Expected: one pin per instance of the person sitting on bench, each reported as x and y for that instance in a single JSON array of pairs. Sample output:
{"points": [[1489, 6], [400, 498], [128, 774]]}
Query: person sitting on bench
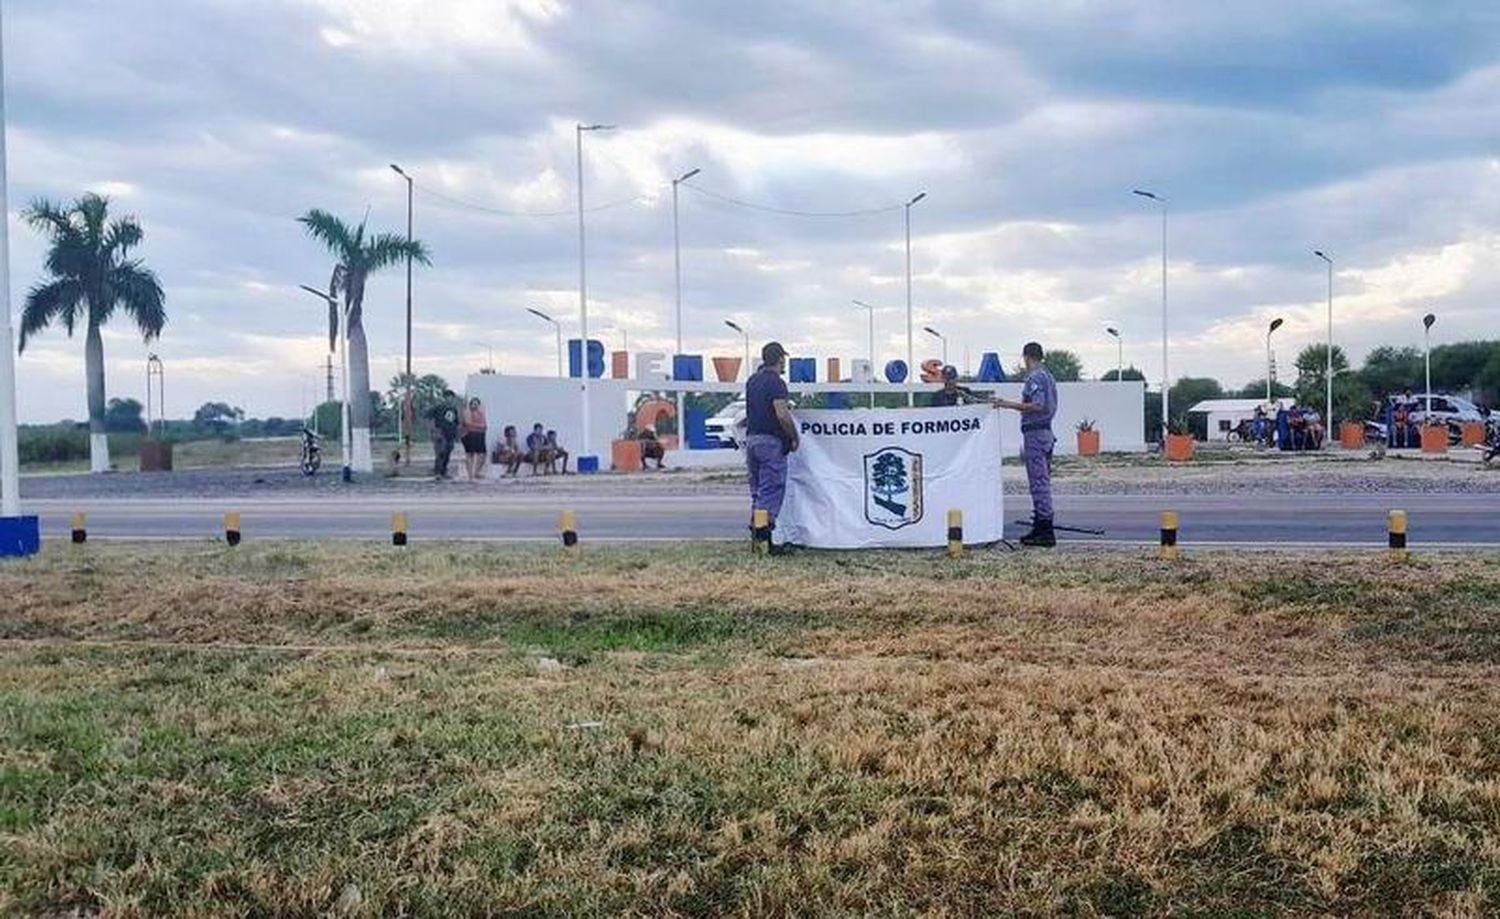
{"points": [[555, 453], [508, 452], [538, 454]]}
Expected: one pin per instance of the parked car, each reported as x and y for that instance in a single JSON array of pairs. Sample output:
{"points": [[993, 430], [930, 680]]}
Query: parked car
{"points": [[1453, 411], [728, 426]]}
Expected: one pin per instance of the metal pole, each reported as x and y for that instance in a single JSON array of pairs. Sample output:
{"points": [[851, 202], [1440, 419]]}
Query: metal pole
{"points": [[401, 423], [346, 438], [910, 396], [1268, 367], [1328, 425], [677, 292], [583, 305], [1427, 359], [557, 329], [1165, 375], [1119, 359], [10, 470]]}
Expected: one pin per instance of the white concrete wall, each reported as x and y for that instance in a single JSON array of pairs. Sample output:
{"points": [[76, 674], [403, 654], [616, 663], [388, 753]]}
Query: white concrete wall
{"points": [[1117, 409], [558, 405]]}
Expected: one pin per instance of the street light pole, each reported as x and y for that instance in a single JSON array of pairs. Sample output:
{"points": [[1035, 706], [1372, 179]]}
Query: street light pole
{"points": [[583, 297], [1165, 374], [871, 311], [1427, 322], [401, 418], [557, 327], [1329, 374], [677, 285], [911, 398], [739, 329], [939, 336], [1119, 353], [10, 459], [1275, 324]]}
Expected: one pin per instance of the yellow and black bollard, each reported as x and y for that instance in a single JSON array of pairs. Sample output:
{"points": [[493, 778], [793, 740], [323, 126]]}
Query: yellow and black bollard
{"points": [[80, 528], [232, 528], [398, 528], [1169, 536], [568, 528], [760, 531], [955, 533], [1396, 536]]}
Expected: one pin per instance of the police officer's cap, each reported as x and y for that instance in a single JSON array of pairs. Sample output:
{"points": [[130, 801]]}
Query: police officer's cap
{"points": [[772, 352], [1032, 350], [950, 372]]}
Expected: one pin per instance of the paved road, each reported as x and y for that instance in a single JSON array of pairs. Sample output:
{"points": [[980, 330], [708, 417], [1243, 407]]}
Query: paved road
{"points": [[1270, 520]]}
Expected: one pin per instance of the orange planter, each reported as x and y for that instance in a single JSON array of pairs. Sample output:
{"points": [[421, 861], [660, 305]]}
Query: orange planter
{"points": [[1435, 438], [1180, 447], [1473, 433], [1351, 435], [625, 455], [727, 369], [1088, 443]]}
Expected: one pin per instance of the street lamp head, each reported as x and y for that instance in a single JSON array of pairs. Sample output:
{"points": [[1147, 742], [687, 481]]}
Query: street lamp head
{"points": [[1322, 255], [1275, 324], [596, 127], [931, 331], [686, 175], [321, 295], [862, 304], [1144, 194], [919, 197], [399, 172], [733, 325], [1112, 330], [1428, 320], [536, 312]]}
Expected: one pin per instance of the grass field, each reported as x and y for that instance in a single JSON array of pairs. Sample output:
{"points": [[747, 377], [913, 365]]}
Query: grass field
{"points": [[290, 729]]}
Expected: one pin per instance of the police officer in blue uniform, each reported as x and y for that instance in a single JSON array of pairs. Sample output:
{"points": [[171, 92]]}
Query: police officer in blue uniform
{"points": [[1038, 405]]}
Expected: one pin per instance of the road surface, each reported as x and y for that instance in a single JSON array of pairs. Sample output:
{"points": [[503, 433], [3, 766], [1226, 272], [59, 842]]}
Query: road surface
{"points": [[1270, 520]]}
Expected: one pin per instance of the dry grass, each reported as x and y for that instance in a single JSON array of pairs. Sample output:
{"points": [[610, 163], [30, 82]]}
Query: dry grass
{"points": [[828, 733]]}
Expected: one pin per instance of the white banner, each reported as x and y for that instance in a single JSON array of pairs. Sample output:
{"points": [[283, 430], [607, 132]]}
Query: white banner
{"points": [[888, 477]]}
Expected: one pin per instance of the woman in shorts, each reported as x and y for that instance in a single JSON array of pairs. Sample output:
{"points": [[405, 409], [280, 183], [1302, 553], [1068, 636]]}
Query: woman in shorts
{"points": [[471, 434]]}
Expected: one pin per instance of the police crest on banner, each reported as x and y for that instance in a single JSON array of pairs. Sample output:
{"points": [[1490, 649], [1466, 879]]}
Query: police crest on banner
{"points": [[887, 477], [893, 487]]}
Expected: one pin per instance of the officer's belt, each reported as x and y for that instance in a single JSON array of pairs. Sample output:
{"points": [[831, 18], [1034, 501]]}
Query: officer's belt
{"points": [[1036, 426]]}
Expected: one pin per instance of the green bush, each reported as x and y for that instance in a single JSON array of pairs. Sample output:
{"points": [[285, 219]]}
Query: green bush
{"points": [[53, 444]]}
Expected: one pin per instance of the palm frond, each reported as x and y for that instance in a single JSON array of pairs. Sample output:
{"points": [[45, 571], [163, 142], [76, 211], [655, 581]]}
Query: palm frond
{"points": [[47, 303], [123, 235], [136, 288], [48, 216], [332, 232], [388, 249]]}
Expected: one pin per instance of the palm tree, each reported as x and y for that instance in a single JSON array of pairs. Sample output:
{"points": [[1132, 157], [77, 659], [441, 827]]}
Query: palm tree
{"points": [[91, 274], [357, 257]]}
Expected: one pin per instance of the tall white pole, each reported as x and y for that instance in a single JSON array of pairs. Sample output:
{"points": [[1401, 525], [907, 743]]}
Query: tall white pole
{"points": [[1328, 422], [1268, 368], [346, 434], [557, 330], [677, 289], [10, 471], [583, 306], [911, 370], [1427, 359], [1165, 375]]}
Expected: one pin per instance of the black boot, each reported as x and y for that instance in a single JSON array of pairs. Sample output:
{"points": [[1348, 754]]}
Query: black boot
{"points": [[1041, 533]]}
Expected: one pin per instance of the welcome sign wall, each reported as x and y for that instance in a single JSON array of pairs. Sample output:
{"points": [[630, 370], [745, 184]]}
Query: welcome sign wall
{"points": [[888, 477]]}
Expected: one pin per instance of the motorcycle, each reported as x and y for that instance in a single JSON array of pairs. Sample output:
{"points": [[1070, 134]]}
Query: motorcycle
{"points": [[312, 452]]}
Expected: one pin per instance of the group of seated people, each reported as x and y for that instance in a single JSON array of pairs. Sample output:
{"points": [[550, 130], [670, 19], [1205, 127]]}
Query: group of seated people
{"points": [[541, 450], [1305, 428]]}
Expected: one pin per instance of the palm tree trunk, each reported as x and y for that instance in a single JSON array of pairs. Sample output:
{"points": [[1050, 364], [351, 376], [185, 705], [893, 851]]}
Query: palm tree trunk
{"points": [[361, 459], [93, 367]]}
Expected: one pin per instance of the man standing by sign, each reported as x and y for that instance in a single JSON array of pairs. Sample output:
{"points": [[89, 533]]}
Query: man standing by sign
{"points": [[770, 432], [1037, 406], [952, 393]]}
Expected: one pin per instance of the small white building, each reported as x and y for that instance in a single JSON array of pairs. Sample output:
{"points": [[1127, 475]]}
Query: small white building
{"points": [[1224, 415]]}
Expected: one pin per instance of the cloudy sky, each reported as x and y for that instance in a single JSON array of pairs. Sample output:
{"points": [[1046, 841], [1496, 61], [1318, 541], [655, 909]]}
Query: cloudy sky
{"points": [[1369, 128]]}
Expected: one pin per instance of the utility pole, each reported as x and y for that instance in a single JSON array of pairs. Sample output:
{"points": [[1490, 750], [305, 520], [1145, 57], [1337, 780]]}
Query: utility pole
{"points": [[10, 471], [410, 380]]}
